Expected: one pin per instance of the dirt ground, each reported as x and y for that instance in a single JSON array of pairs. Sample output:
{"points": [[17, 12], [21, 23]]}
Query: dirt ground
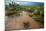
{"points": [[18, 23]]}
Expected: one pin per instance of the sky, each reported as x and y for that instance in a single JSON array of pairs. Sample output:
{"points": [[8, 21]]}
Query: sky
{"points": [[22, 2], [29, 3]]}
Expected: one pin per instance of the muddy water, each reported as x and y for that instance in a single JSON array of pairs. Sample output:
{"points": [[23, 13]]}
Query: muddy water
{"points": [[18, 22]]}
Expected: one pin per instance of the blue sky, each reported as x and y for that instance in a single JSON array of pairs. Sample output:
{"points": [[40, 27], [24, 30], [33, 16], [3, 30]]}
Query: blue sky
{"points": [[29, 3], [23, 2]]}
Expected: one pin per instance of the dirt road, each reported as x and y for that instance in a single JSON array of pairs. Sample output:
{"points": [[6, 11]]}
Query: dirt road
{"points": [[17, 23]]}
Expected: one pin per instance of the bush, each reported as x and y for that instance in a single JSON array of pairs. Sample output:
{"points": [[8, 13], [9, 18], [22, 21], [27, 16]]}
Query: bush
{"points": [[39, 19], [30, 15]]}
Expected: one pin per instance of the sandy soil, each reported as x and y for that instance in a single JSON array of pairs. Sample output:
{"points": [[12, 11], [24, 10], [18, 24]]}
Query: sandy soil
{"points": [[17, 23]]}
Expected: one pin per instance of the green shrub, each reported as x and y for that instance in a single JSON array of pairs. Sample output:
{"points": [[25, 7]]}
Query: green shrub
{"points": [[30, 15], [39, 19]]}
